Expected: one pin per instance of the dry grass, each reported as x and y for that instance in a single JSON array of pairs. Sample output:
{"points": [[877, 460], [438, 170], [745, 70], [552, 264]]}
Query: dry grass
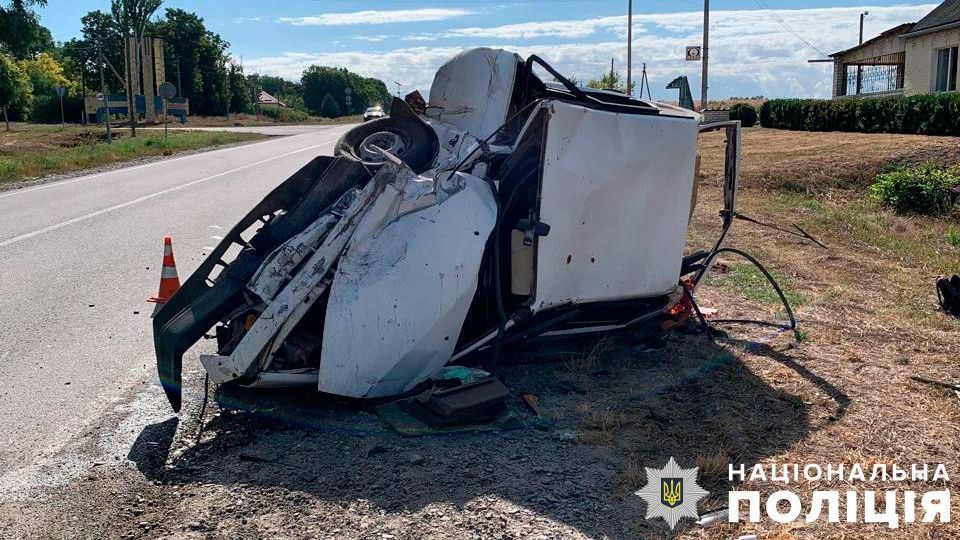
{"points": [[730, 102], [32, 150], [868, 311], [585, 361], [807, 162]]}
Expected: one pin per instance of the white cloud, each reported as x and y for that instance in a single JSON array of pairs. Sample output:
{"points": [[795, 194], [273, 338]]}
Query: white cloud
{"points": [[241, 20], [530, 30], [750, 54], [377, 17], [420, 37], [372, 39]]}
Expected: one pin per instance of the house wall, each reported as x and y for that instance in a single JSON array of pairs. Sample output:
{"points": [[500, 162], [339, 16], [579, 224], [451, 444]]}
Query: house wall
{"points": [[920, 59], [880, 47]]}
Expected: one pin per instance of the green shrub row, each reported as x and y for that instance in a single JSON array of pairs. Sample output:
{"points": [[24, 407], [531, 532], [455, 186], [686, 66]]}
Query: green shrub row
{"points": [[933, 114]]}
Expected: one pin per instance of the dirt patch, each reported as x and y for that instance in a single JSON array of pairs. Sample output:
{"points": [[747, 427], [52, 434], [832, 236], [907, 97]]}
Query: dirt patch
{"points": [[85, 138]]}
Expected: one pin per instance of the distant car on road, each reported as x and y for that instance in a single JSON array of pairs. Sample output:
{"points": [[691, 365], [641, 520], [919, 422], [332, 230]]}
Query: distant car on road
{"points": [[373, 112]]}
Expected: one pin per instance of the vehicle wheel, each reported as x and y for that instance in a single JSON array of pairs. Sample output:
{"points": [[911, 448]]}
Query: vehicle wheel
{"points": [[402, 134]]}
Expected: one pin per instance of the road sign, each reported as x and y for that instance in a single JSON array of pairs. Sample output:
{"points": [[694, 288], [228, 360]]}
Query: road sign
{"points": [[99, 96], [167, 90], [694, 53], [60, 91], [347, 90]]}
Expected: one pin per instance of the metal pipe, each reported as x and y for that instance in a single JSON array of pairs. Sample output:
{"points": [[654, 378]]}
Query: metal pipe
{"points": [[705, 54]]}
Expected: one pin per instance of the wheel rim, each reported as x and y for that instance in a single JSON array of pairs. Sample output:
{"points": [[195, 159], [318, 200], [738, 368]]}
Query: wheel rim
{"points": [[385, 140]]}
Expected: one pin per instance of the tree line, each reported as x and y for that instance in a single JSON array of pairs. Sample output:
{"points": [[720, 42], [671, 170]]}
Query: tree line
{"points": [[196, 60]]}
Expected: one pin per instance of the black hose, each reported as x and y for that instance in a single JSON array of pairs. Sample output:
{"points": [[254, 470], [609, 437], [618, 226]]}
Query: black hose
{"points": [[703, 321], [773, 283], [203, 406]]}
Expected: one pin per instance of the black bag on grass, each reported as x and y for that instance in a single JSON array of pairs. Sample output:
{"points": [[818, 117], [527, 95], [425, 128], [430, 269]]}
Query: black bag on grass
{"points": [[948, 292]]}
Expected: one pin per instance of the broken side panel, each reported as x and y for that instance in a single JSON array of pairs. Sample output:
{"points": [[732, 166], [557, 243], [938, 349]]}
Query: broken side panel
{"points": [[615, 192], [472, 91], [400, 295]]}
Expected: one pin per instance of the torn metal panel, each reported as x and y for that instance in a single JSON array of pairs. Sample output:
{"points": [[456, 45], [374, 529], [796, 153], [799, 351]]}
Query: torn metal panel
{"points": [[472, 91], [378, 197], [400, 294], [279, 266], [615, 190]]}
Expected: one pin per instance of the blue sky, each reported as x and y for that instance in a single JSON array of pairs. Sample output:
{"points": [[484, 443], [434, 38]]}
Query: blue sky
{"points": [[754, 50]]}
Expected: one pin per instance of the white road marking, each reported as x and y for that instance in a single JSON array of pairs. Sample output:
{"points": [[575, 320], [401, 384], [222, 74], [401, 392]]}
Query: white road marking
{"points": [[13, 192], [85, 217]]}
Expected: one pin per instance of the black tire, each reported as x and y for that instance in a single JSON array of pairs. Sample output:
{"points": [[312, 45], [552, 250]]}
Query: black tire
{"points": [[402, 133]]}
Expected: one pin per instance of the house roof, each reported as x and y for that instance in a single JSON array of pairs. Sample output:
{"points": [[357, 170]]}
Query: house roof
{"points": [[944, 16], [268, 99], [898, 30]]}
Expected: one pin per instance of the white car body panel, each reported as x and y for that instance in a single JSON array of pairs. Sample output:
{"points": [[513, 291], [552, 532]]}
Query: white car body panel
{"points": [[615, 191], [400, 295], [476, 76]]}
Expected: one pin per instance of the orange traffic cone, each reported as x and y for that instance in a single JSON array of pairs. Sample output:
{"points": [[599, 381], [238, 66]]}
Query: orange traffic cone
{"points": [[169, 282]]}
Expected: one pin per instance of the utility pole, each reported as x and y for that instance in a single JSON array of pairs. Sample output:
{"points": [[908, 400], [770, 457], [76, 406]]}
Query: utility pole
{"points": [[130, 43], [176, 59], [106, 99], [398, 87], [705, 54], [83, 91], [630, 47], [860, 68], [645, 83], [611, 71]]}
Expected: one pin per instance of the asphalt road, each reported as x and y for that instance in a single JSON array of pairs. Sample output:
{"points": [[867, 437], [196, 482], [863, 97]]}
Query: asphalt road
{"points": [[268, 129], [79, 257]]}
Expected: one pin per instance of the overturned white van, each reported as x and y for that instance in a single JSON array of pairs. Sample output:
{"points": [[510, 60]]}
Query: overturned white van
{"points": [[506, 209]]}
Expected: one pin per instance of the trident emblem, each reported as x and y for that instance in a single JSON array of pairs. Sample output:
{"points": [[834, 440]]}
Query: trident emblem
{"points": [[671, 491]]}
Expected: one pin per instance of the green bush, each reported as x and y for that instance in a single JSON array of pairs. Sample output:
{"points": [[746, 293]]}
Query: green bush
{"points": [[284, 114], [933, 114], [920, 190], [745, 113]]}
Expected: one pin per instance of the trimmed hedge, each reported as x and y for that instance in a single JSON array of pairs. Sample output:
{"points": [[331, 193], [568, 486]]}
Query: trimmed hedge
{"points": [[933, 114], [745, 113]]}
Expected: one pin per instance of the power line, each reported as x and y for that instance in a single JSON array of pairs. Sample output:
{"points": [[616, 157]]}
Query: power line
{"points": [[779, 20]]}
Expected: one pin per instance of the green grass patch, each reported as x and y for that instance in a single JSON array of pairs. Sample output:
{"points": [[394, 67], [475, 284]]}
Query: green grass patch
{"points": [[789, 200], [753, 285], [952, 236], [41, 153], [868, 225]]}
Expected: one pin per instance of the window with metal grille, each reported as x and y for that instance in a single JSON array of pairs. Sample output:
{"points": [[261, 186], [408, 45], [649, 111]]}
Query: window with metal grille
{"points": [[946, 70]]}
